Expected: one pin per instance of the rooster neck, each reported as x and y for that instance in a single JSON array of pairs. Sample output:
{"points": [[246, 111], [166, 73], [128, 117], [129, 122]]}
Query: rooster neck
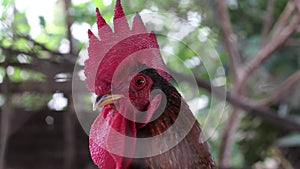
{"points": [[167, 117], [163, 122], [189, 152]]}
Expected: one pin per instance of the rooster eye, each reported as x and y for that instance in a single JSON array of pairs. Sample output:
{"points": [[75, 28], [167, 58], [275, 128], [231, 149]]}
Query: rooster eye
{"points": [[140, 82]]}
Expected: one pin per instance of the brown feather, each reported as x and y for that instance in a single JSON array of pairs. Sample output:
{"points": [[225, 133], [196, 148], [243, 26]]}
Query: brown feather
{"points": [[189, 153]]}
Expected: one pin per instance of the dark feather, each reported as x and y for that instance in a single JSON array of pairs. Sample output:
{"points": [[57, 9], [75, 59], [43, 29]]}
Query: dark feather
{"points": [[189, 153]]}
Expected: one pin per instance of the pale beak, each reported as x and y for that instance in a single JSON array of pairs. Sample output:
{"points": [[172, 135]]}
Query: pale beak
{"points": [[105, 100]]}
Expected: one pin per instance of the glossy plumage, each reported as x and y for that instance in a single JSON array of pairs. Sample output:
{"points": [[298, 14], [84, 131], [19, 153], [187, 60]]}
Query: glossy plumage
{"points": [[127, 63], [190, 152]]}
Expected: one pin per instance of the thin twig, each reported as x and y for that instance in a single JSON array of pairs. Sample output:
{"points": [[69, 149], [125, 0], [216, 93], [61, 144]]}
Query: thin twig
{"points": [[35, 55], [228, 38], [286, 86], [264, 113], [283, 161], [228, 137], [42, 46], [274, 44], [239, 87], [234, 60], [267, 21], [66, 56], [283, 18], [67, 4], [297, 2]]}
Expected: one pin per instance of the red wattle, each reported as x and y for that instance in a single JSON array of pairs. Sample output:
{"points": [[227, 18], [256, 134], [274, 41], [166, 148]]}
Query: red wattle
{"points": [[108, 135]]}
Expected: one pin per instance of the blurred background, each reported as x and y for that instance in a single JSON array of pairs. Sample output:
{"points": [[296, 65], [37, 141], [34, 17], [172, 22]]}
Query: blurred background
{"points": [[257, 42]]}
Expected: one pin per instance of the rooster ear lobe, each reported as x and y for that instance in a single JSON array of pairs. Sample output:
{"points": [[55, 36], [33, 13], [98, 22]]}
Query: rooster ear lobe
{"points": [[120, 21], [104, 30]]}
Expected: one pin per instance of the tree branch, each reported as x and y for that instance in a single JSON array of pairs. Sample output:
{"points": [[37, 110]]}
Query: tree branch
{"points": [[42, 46], [284, 89], [283, 18], [228, 137], [234, 63], [40, 87], [228, 38], [235, 168], [297, 3], [49, 70], [34, 55], [266, 52], [69, 135], [264, 113], [5, 121], [267, 21], [66, 56], [248, 69], [68, 22]]}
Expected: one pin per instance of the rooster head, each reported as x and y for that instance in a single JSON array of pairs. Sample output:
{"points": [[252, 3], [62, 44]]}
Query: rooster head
{"points": [[108, 52], [114, 72]]}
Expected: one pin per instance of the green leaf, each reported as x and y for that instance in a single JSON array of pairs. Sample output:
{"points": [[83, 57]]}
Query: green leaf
{"points": [[7, 2], [98, 3], [6, 42], [42, 21], [21, 44], [22, 25]]}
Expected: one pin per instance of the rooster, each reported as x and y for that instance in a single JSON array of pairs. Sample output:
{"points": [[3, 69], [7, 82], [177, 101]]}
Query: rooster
{"points": [[144, 122]]}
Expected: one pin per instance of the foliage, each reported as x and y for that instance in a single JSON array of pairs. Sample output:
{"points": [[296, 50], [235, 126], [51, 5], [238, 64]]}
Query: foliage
{"points": [[31, 57]]}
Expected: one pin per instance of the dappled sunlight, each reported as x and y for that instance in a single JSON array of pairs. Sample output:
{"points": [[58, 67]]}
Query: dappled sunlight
{"points": [[58, 102], [236, 63]]}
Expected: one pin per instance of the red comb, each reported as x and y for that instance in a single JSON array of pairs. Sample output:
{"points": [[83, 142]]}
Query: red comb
{"points": [[106, 54]]}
